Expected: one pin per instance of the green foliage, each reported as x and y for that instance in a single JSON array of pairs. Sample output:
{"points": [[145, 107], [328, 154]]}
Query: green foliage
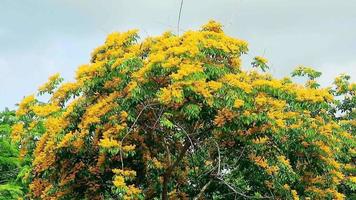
{"points": [[260, 62], [9, 161], [306, 71]]}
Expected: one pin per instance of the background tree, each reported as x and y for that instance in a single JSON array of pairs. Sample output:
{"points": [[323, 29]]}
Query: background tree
{"points": [[177, 117], [9, 162]]}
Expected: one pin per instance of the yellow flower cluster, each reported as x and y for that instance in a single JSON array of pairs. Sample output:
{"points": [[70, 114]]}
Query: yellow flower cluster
{"points": [[157, 163], [50, 84], [126, 173], [128, 148], [260, 140], [233, 80], [17, 131], [282, 159], [115, 46], [259, 160], [132, 192], [238, 103], [261, 59], [119, 181], [112, 83], [45, 110], [109, 143], [131, 86], [313, 95], [269, 83], [24, 106], [65, 140], [95, 111], [223, 116], [63, 91], [185, 70], [213, 26], [173, 93], [113, 130]]}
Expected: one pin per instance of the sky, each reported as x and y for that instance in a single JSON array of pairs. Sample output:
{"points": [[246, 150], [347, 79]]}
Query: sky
{"points": [[41, 37]]}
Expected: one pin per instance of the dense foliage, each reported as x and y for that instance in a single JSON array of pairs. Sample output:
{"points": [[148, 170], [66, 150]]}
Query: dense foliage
{"points": [[9, 161], [176, 117]]}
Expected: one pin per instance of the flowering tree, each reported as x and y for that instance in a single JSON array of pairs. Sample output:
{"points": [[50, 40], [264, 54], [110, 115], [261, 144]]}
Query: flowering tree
{"points": [[177, 117]]}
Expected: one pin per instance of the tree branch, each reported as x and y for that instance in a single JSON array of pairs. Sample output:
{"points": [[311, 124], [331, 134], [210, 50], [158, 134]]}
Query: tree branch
{"points": [[202, 190], [168, 173]]}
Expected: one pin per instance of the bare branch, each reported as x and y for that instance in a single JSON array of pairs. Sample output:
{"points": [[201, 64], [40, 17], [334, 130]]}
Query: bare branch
{"points": [[179, 15], [219, 158], [202, 190]]}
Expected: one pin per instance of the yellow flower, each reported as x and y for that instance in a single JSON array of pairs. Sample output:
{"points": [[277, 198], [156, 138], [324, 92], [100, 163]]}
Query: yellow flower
{"points": [[125, 173], [200, 87], [45, 110], [214, 85], [157, 163], [63, 91], [17, 131], [128, 148], [119, 182], [172, 93], [261, 140], [132, 190], [236, 63], [260, 161], [185, 70], [233, 80], [65, 140], [213, 26], [272, 170], [282, 159], [269, 83], [95, 111], [50, 84], [295, 195], [158, 57], [261, 59], [238, 103], [286, 186], [112, 83], [123, 115], [131, 86], [24, 105], [109, 143]]}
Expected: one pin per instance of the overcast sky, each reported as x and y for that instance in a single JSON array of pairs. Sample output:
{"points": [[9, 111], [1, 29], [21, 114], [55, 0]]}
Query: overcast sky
{"points": [[42, 37]]}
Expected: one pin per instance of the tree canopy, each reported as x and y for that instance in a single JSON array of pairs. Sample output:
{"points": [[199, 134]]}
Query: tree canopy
{"points": [[177, 117]]}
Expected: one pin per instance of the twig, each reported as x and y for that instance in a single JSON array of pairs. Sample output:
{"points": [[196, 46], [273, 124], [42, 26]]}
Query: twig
{"points": [[180, 13], [243, 149], [219, 158], [202, 190], [190, 140]]}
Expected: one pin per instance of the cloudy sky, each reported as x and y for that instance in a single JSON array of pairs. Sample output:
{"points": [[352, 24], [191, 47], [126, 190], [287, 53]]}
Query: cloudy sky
{"points": [[42, 37]]}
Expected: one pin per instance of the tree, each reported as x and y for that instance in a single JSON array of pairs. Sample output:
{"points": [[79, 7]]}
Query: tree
{"points": [[177, 117], [9, 162]]}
